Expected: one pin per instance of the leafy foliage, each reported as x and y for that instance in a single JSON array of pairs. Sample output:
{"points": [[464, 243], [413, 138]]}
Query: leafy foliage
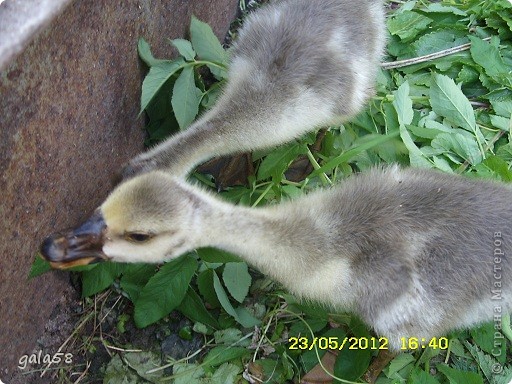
{"points": [[444, 101]]}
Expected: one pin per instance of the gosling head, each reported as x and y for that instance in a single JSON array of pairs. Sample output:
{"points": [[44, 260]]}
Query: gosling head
{"points": [[150, 218]]}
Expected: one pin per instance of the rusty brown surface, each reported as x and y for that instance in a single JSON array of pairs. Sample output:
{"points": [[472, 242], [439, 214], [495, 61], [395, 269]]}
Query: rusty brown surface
{"points": [[68, 120]]}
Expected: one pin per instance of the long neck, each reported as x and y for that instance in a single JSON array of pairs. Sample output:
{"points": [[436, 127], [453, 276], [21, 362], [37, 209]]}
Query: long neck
{"points": [[182, 152], [284, 243]]}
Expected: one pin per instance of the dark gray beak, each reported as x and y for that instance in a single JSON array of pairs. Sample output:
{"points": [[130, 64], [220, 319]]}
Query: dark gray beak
{"points": [[79, 246]]}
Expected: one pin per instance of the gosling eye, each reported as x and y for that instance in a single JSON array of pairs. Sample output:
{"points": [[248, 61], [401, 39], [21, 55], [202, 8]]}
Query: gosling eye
{"points": [[138, 237]]}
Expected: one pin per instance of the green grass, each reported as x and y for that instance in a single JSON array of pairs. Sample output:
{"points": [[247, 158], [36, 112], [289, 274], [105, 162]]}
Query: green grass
{"points": [[444, 101]]}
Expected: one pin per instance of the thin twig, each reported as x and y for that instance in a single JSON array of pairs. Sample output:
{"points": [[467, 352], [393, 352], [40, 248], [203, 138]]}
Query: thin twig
{"points": [[425, 58], [121, 349], [83, 373]]}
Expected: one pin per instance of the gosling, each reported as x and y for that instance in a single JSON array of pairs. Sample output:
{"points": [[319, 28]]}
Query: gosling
{"points": [[412, 252], [297, 65]]}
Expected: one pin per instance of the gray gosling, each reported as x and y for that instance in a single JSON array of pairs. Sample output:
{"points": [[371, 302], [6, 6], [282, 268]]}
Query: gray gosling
{"points": [[297, 65], [415, 253]]}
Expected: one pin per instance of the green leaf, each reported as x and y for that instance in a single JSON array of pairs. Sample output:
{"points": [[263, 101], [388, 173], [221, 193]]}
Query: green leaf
{"points": [[187, 373], [237, 280], [275, 163], [117, 372], [245, 318], [239, 315], [164, 291], [408, 24], [447, 100], [398, 363], [185, 49], [367, 142], [208, 47], [463, 145], [192, 307], [100, 278], [351, 364], [213, 255], [146, 55], [225, 374], [135, 277], [488, 56], [486, 362], [157, 76], [39, 266], [456, 376], [419, 376], [403, 104], [503, 123], [206, 289], [142, 362], [438, 41], [222, 354], [500, 168], [416, 157], [227, 336], [186, 98]]}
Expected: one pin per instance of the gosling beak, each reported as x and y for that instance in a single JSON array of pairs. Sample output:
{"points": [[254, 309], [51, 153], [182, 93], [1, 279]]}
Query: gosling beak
{"points": [[79, 246]]}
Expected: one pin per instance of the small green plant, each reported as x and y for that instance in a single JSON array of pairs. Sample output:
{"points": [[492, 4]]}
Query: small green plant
{"points": [[444, 100]]}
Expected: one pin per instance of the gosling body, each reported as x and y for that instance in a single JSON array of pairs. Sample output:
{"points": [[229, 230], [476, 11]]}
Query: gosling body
{"points": [[296, 65], [413, 252]]}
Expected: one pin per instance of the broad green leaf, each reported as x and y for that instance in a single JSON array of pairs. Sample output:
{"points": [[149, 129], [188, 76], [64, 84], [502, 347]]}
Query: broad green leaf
{"points": [[146, 55], [500, 168], [416, 157], [437, 7], [185, 49], [278, 160], [164, 291], [244, 320], [156, 78], [206, 43], [367, 142], [456, 376], [214, 255], [39, 266], [408, 24], [206, 289], [398, 363], [419, 376], [403, 104], [503, 123], [227, 336], [142, 362], [186, 98], [187, 373], [99, 278], [438, 41], [222, 296], [447, 100], [488, 56], [309, 358], [351, 364], [237, 280], [486, 362], [192, 307], [117, 372], [463, 145], [502, 107], [135, 277], [222, 354], [225, 374], [208, 47]]}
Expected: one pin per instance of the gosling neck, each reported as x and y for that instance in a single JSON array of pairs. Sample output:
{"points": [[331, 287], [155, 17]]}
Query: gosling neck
{"points": [[281, 243]]}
